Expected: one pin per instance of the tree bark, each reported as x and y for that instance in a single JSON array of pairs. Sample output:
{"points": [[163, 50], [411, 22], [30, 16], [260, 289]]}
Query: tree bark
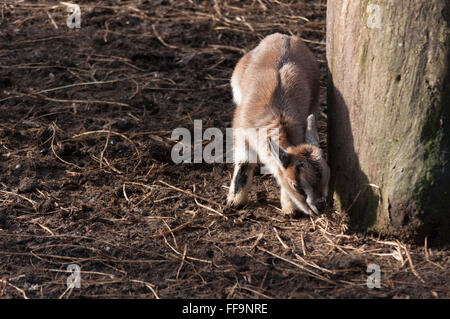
{"points": [[389, 115]]}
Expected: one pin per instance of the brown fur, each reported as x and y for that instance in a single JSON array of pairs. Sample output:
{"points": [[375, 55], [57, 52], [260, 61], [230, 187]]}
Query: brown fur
{"points": [[276, 85], [278, 95]]}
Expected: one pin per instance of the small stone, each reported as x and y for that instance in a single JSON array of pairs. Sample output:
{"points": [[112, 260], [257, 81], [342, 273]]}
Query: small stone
{"points": [[27, 185]]}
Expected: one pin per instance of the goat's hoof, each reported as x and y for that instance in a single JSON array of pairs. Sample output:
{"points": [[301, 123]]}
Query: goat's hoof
{"points": [[236, 200], [289, 212]]}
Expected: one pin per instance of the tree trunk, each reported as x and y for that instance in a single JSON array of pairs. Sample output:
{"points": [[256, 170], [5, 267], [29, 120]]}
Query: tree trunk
{"points": [[389, 115]]}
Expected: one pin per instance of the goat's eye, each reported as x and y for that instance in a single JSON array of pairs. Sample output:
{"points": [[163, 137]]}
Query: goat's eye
{"points": [[299, 163]]}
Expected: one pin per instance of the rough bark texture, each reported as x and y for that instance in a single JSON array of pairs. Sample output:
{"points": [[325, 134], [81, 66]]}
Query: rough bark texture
{"points": [[389, 115]]}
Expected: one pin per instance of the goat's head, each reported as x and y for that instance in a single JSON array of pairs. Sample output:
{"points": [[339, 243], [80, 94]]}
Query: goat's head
{"points": [[303, 171]]}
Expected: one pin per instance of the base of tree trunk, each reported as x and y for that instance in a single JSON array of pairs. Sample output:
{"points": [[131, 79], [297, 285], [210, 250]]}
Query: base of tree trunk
{"points": [[389, 116]]}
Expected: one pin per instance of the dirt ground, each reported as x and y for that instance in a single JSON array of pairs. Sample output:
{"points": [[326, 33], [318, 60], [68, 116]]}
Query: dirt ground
{"points": [[86, 175]]}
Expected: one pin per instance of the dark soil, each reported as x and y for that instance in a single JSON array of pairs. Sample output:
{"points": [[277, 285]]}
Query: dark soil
{"points": [[86, 175]]}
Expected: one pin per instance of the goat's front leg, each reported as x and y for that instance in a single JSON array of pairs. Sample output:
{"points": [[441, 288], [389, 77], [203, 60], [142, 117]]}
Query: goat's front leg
{"points": [[240, 184], [287, 206]]}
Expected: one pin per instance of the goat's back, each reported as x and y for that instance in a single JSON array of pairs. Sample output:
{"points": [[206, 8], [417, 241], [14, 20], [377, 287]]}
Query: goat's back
{"points": [[276, 81]]}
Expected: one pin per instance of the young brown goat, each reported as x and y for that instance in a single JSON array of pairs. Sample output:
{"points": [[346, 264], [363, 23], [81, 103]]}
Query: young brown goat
{"points": [[276, 90]]}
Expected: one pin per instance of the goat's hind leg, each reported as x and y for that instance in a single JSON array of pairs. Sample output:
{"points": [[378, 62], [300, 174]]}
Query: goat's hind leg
{"points": [[245, 159], [240, 184]]}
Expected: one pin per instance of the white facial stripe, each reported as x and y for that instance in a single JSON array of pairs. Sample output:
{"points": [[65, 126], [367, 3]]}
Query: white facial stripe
{"points": [[307, 188], [309, 195], [313, 207]]}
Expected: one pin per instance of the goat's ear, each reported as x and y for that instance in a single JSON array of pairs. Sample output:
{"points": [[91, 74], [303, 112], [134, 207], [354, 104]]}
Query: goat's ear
{"points": [[280, 155], [311, 134]]}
